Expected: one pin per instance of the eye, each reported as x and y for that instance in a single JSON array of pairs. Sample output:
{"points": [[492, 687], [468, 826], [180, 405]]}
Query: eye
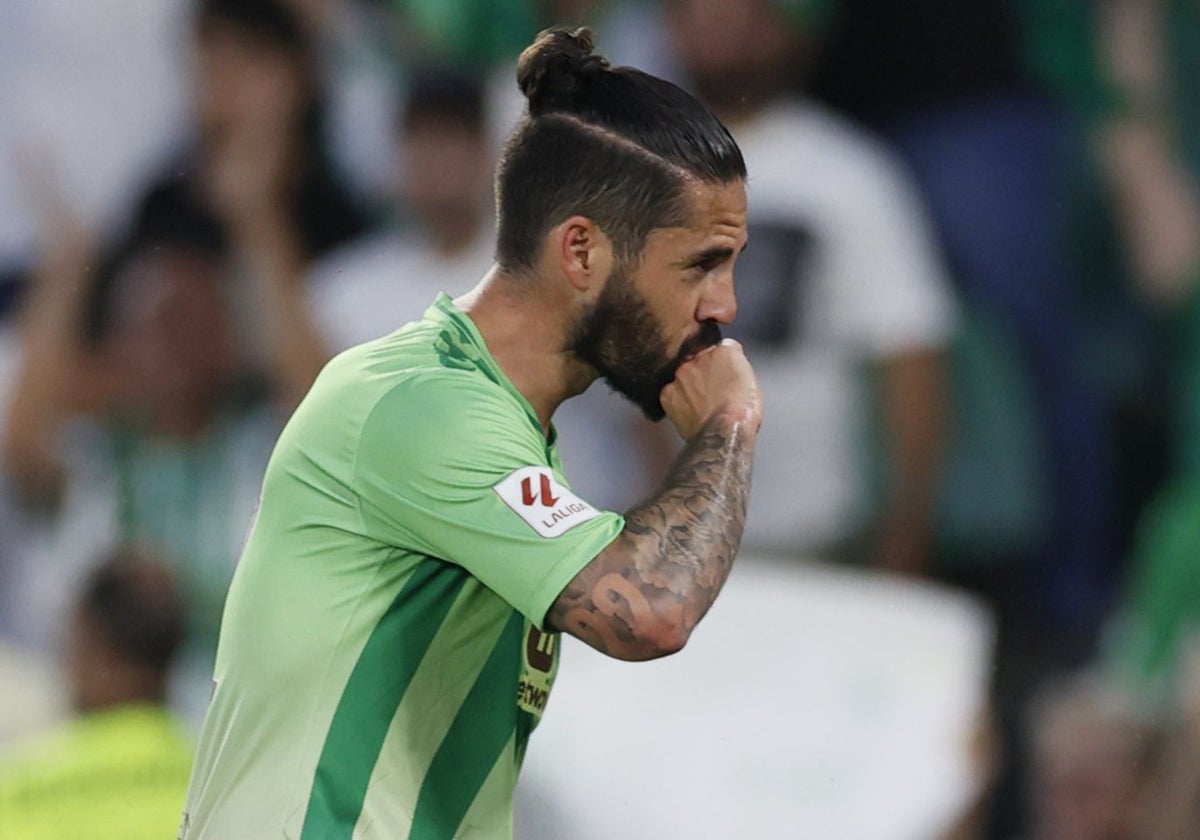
{"points": [[705, 265]]}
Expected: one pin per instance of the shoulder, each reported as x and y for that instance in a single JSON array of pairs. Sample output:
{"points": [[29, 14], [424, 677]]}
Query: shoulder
{"points": [[453, 394], [437, 413]]}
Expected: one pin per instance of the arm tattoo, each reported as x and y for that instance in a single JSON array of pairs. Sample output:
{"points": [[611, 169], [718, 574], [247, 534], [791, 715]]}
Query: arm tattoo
{"points": [[665, 570]]}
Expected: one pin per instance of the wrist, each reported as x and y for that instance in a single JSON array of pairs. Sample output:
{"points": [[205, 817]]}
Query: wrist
{"points": [[742, 420]]}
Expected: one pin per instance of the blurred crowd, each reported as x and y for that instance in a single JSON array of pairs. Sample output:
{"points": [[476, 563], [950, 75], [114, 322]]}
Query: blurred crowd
{"points": [[970, 295]]}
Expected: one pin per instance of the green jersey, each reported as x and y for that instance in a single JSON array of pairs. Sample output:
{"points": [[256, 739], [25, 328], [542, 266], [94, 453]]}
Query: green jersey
{"points": [[382, 657]]}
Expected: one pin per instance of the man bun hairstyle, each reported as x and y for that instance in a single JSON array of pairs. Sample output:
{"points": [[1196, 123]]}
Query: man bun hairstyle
{"points": [[549, 70], [614, 144]]}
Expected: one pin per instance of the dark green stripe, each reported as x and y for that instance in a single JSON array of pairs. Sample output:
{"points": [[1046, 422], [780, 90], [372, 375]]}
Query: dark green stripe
{"points": [[372, 695], [478, 735]]}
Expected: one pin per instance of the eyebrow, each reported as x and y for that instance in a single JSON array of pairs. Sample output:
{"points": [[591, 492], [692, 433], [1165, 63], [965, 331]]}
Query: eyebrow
{"points": [[716, 254]]}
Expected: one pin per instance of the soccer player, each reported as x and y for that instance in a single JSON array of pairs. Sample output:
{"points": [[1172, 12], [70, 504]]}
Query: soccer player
{"points": [[391, 633]]}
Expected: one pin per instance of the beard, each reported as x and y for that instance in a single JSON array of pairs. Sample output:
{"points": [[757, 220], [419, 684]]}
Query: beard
{"points": [[623, 340]]}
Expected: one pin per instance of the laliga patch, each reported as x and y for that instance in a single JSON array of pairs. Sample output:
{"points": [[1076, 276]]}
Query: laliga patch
{"points": [[545, 505]]}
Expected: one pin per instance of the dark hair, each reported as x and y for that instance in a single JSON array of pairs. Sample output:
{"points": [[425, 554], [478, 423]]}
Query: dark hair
{"points": [[614, 144], [169, 216], [445, 94], [269, 21], [132, 603]]}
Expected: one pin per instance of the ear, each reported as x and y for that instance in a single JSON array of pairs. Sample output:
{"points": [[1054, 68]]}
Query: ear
{"points": [[585, 254]]}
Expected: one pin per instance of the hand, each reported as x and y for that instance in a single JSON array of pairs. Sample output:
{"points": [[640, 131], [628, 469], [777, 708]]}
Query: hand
{"points": [[717, 380], [1158, 205]]}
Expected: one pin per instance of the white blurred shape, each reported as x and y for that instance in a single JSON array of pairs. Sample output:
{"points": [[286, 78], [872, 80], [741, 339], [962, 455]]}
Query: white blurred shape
{"points": [[811, 703]]}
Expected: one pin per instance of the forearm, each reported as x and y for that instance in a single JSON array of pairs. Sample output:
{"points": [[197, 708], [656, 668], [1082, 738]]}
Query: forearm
{"points": [[1155, 197], [51, 360], [914, 408], [642, 597]]}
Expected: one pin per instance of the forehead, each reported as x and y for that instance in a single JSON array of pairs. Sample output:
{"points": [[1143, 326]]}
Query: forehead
{"points": [[717, 218]]}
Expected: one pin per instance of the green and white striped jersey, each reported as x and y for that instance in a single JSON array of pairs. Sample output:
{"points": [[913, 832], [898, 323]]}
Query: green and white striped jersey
{"points": [[381, 661]]}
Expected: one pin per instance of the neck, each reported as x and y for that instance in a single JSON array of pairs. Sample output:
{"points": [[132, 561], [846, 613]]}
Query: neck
{"points": [[522, 324]]}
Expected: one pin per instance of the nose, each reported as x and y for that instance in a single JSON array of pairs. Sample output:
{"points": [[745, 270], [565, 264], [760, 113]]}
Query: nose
{"points": [[719, 302]]}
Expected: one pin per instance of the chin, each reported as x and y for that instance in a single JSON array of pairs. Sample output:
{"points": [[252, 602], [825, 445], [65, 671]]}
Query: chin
{"points": [[650, 406]]}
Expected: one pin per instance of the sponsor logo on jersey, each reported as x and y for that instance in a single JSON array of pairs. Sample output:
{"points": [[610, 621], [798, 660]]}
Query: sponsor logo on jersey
{"points": [[546, 506], [546, 496], [537, 670]]}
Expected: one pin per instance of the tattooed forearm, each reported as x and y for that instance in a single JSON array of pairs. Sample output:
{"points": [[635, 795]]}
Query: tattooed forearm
{"points": [[645, 593]]}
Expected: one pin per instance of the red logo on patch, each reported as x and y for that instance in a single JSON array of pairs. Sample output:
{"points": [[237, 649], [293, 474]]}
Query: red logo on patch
{"points": [[528, 497]]}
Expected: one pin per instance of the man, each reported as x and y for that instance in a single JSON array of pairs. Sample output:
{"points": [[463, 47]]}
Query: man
{"points": [[375, 284], [390, 637], [119, 771]]}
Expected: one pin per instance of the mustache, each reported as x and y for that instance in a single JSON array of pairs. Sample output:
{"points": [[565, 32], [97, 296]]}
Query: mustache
{"points": [[708, 335]]}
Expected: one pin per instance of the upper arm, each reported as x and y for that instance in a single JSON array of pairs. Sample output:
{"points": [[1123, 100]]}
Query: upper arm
{"points": [[455, 471], [642, 596]]}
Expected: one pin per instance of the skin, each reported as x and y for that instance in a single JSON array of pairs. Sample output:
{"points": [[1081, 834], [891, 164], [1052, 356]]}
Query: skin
{"points": [[251, 97], [448, 181], [738, 55], [643, 595], [741, 58]]}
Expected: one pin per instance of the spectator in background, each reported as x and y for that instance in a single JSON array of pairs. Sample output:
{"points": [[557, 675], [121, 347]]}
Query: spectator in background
{"points": [[841, 281], [1147, 139], [358, 45], [119, 771], [1151, 148], [208, 287], [1090, 763], [375, 285], [945, 82], [260, 111], [259, 166], [145, 432]]}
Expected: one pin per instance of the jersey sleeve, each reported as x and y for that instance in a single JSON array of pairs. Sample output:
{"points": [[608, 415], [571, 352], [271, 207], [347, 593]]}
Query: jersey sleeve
{"points": [[455, 469]]}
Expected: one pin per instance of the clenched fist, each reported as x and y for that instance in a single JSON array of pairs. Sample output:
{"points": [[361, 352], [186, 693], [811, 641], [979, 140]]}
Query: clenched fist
{"points": [[716, 381]]}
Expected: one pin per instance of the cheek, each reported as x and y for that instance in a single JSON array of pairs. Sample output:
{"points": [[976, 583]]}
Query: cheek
{"points": [[675, 309]]}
